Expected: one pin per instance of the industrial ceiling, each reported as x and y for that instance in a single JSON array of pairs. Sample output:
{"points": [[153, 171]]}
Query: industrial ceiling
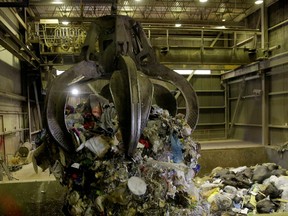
{"points": [[210, 25], [189, 12]]}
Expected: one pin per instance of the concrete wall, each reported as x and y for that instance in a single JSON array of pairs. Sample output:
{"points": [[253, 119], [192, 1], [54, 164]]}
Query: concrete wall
{"points": [[231, 157], [249, 123], [278, 36], [245, 116], [236, 157], [12, 119], [211, 98], [278, 157]]}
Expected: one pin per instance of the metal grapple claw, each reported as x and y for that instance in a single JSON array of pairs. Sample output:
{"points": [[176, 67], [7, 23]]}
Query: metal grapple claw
{"points": [[127, 58], [56, 98]]}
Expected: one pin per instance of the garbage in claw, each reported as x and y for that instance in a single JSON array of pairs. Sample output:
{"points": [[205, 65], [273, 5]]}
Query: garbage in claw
{"points": [[101, 179], [158, 180]]}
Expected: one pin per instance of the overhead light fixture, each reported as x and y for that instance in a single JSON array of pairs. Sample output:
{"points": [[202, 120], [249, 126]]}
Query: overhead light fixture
{"points": [[57, 2], [203, 0], [184, 72], [75, 91], [220, 27], [258, 1], [65, 22], [49, 21], [187, 72], [202, 72], [178, 22], [58, 72]]}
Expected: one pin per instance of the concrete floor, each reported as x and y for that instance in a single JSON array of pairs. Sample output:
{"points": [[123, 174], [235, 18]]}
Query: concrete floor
{"points": [[27, 173], [26, 198], [30, 193]]}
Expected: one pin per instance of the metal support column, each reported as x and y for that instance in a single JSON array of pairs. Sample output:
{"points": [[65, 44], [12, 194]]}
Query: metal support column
{"points": [[37, 105], [265, 110], [227, 110], [29, 113], [202, 47], [242, 88], [167, 39], [264, 27], [264, 46]]}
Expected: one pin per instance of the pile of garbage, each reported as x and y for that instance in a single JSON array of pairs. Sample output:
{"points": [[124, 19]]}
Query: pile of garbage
{"points": [[239, 191], [102, 180], [160, 179]]}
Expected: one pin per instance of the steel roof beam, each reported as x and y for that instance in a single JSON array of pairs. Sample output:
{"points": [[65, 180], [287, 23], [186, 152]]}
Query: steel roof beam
{"points": [[14, 45]]}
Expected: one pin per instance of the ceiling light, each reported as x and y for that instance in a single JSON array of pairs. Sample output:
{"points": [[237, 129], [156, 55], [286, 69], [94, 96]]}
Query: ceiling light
{"points": [[220, 27], [178, 25], [258, 1], [203, 0], [65, 22], [184, 72], [57, 2], [187, 72], [58, 72], [49, 21], [202, 72], [75, 91]]}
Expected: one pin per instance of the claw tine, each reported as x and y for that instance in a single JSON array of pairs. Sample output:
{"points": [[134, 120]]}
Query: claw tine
{"points": [[132, 95]]}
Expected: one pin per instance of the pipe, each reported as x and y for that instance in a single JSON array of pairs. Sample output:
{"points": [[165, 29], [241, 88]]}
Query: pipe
{"points": [[264, 25], [246, 79], [278, 93], [278, 126], [167, 39], [37, 105], [249, 125], [204, 55], [278, 25], [244, 41], [13, 131], [13, 112], [274, 47], [12, 96], [243, 85]]}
